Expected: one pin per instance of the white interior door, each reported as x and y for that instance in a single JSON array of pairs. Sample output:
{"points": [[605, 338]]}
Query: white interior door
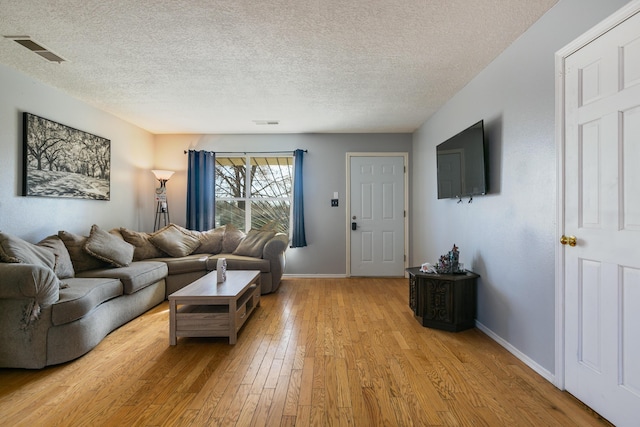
{"points": [[602, 210], [377, 208]]}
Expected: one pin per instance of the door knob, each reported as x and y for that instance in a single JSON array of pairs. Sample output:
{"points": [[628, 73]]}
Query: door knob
{"points": [[568, 240]]}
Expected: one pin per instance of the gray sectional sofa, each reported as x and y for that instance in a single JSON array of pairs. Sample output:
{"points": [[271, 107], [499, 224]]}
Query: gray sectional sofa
{"points": [[60, 297]]}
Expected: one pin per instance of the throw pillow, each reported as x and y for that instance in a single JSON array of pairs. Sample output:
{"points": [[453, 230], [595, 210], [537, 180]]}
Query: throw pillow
{"points": [[143, 248], [231, 239], [80, 259], [14, 249], [116, 232], [253, 244], [63, 267], [108, 247], [175, 240], [269, 226], [210, 241]]}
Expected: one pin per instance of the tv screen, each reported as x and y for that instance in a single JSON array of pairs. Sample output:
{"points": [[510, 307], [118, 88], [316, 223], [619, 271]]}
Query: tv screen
{"points": [[461, 164]]}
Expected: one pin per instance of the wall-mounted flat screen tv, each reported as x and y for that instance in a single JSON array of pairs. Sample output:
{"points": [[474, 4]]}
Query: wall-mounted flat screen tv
{"points": [[461, 164]]}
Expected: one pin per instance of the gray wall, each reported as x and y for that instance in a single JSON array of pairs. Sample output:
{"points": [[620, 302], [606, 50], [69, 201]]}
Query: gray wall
{"points": [[33, 218], [508, 236], [324, 174]]}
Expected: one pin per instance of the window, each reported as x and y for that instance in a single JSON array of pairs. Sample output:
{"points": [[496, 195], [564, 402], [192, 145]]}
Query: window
{"points": [[254, 191]]}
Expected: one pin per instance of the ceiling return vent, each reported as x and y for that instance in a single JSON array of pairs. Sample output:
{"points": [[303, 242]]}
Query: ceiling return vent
{"points": [[36, 48], [267, 122]]}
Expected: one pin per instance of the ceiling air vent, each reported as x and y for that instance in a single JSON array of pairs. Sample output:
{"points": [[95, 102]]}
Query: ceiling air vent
{"points": [[267, 122], [36, 48]]}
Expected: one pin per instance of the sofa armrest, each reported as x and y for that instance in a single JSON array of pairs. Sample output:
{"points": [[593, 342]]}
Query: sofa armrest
{"points": [[30, 282], [26, 294], [274, 252]]}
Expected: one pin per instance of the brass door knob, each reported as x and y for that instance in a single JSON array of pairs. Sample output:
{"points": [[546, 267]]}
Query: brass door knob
{"points": [[568, 240]]}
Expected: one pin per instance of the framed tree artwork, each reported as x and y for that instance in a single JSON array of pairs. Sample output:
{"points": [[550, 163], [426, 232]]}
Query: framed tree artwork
{"points": [[60, 161]]}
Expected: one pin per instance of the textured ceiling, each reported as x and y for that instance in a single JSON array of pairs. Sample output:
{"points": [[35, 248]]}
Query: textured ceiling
{"points": [[215, 66]]}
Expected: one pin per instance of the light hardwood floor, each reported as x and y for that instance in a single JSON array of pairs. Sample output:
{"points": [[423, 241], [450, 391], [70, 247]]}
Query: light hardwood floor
{"points": [[318, 352]]}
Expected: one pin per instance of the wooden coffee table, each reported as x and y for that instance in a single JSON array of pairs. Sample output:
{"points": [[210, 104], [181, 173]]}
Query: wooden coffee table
{"points": [[206, 308]]}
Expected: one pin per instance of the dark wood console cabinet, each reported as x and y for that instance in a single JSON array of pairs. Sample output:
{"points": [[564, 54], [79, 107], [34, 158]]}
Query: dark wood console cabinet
{"points": [[443, 301]]}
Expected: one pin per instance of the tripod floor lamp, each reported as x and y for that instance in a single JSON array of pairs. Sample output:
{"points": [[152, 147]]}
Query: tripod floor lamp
{"points": [[162, 208]]}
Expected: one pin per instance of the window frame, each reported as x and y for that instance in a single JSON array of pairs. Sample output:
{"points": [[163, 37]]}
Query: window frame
{"points": [[248, 199]]}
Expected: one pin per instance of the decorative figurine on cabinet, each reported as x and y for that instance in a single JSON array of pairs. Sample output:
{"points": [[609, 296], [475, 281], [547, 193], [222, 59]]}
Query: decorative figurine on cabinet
{"points": [[449, 262]]}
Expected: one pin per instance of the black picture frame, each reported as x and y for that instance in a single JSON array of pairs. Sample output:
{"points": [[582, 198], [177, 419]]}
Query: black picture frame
{"points": [[61, 161]]}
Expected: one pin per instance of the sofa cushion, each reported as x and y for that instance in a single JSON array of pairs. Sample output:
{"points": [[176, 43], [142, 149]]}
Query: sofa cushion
{"points": [[231, 239], [14, 249], [238, 262], [82, 296], [253, 244], [185, 264], [175, 241], [137, 275], [109, 247], [143, 248], [63, 267], [80, 259], [210, 241]]}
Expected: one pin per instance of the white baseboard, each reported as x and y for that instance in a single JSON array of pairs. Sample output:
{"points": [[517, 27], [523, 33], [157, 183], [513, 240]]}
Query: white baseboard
{"points": [[517, 353], [314, 276]]}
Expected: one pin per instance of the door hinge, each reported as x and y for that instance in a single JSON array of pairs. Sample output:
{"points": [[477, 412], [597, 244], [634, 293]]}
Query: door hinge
{"points": [[404, 213]]}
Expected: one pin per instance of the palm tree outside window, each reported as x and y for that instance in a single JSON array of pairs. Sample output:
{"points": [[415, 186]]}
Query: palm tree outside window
{"points": [[253, 191]]}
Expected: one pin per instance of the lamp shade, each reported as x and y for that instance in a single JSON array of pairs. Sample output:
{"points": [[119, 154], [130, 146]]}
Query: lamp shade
{"points": [[162, 175]]}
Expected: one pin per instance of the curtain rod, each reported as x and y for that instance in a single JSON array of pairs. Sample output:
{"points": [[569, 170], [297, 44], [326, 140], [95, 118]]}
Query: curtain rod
{"points": [[246, 152]]}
